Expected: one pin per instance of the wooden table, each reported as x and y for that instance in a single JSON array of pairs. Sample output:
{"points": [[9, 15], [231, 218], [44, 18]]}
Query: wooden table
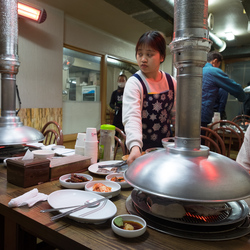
{"points": [[19, 227]]}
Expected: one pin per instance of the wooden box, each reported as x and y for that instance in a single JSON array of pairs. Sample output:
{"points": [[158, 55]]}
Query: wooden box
{"points": [[26, 173], [68, 164]]}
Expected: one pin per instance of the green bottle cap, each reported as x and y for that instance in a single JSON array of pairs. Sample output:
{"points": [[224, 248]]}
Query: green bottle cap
{"points": [[107, 127]]}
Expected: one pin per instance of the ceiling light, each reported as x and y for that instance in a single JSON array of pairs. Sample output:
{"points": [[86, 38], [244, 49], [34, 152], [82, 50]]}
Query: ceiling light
{"points": [[36, 14], [229, 36]]}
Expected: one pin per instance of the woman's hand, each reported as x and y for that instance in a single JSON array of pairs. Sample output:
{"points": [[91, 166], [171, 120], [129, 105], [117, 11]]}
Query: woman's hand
{"points": [[134, 153]]}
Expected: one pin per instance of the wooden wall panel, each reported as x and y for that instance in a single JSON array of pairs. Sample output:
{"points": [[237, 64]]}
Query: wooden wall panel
{"points": [[37, 117]]}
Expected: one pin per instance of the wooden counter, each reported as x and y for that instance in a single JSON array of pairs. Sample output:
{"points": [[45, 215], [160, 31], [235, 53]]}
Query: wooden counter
{"points": [[19, 227]]}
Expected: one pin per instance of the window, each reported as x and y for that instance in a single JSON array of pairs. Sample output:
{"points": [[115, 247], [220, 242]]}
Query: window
{"points": [[81, 76]]}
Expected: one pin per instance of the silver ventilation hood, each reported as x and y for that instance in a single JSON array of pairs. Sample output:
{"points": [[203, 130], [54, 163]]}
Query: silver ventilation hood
{"points": [[187, 171], [12, 130]]}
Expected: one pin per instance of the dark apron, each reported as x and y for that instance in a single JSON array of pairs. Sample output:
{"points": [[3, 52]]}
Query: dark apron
{"points": [[156, 115]]}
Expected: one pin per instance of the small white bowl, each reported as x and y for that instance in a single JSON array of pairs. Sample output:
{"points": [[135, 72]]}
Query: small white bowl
{"points": [[115, 188], [123, 184], [43, 154], [129, 233], [74, 185]]}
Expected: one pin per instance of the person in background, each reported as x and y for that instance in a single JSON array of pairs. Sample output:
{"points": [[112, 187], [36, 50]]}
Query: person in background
{"points": [[214, 79], [149, 97], [243, 156], [116, 101], [220, 103], [246, 105]]}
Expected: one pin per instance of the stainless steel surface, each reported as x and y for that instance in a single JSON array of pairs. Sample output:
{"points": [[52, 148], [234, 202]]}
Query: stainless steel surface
{"points": [[215, 178], [12, 130], [227, 232], [61, 208], [115, 165], [187, 171], [89, 204], [57, 209], [236, 212]]}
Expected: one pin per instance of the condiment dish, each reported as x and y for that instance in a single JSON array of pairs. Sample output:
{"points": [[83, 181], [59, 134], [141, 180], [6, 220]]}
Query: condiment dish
{"points": [[64, 181], [129, 233], [123, 184], [115, 188]]}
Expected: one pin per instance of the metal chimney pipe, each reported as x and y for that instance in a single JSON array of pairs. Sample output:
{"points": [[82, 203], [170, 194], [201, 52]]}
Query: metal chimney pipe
{"points": [[9, 61], [189, 48], [12, 130]]}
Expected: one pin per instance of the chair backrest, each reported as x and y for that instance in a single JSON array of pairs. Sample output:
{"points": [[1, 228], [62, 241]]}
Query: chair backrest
{"points": [[212, 140], [229, 124], [109, 116], [120, 134], [232, 138], [53, 133], [242, 121], [118, 143]]}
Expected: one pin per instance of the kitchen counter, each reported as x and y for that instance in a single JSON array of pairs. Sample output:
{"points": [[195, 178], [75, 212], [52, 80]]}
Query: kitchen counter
{"points": [[20, 227]]}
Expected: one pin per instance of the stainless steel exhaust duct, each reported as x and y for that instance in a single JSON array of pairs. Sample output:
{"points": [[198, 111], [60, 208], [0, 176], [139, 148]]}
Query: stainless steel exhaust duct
{"points": [[12, 130], [187, 171], [167, 7]]}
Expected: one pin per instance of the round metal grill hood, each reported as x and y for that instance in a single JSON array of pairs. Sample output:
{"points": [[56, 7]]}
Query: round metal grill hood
{"points": [[186, 170], [179, 176]]}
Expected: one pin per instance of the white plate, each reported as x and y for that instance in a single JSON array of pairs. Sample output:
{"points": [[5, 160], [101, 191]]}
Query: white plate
{"points": [[94, 167], [71, 197], [78, 185], [123, 184], [115, 188]]}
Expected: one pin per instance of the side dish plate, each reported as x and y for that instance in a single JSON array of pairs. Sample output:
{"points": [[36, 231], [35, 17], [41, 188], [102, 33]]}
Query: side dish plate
{"points": [[95, 170], [70, 197]]}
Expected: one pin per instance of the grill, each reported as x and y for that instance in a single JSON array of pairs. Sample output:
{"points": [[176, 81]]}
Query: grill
{"points": [[229, 224], [198, 219], [186, 172]]}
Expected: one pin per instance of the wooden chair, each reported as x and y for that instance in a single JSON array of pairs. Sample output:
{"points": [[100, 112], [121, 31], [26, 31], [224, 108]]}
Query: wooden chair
{"points": [[242, 121], [230, 124], [120, 134], [120, 143], [231, 134], [212, 140], [109, 115], [53, 133]]}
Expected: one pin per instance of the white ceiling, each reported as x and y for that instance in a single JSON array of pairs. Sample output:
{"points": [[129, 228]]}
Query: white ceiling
{"points": [[228, 16]]}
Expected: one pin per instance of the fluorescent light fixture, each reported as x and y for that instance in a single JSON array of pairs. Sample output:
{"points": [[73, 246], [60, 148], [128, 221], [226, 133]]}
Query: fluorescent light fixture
{"points": [[27, 11], [229, 36]]}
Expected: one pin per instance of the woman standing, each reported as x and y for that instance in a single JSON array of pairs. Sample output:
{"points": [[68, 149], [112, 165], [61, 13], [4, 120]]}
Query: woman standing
{"points": [[149, 97]]}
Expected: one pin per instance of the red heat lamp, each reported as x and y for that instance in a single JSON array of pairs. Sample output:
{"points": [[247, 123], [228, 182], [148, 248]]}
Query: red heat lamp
{"points": [[36, 14]]}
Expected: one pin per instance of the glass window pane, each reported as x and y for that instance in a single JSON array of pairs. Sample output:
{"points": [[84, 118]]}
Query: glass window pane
{"points": [[81, 76]]}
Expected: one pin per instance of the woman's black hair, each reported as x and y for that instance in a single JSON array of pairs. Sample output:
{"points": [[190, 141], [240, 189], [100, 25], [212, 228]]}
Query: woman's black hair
{"points": [[154, 39]]}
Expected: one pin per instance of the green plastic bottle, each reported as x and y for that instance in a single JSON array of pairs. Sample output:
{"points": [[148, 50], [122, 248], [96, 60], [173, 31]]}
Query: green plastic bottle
{"points": [[107, 142]]}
